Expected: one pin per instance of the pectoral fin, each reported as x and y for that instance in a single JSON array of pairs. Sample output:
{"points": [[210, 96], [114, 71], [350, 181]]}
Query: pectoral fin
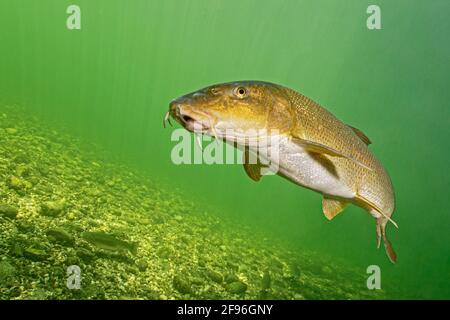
{"points": [[332, 207], [316, 147], [253, 171], [252, 166]]}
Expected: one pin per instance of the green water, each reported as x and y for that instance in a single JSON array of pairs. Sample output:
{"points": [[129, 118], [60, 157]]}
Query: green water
{"points": [[111, 83]]}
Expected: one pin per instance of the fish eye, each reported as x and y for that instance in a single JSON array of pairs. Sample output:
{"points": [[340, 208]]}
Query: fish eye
{"points": [[214, 91], [240, 92]]}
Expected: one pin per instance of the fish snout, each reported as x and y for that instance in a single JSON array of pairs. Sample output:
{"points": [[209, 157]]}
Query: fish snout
{"points": [[174, 108], [179, 110], [183, 110]]}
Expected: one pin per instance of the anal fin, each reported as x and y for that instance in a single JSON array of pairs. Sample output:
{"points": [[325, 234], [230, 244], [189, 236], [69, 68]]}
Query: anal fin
{"points": [[332, 207]]}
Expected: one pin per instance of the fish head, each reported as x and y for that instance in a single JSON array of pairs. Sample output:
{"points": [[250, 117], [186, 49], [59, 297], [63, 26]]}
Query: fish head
{"points": [[242, 109]]}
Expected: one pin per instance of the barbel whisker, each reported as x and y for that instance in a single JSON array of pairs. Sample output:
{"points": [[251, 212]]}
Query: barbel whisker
{"points": [[198, 140], [167, 118]]}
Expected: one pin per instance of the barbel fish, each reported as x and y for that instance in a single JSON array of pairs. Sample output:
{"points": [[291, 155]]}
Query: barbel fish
{"points": [[315, 149]]}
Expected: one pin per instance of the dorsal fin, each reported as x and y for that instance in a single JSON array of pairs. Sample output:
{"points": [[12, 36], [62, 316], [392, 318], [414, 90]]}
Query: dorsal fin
{"points": [[360, 135]]}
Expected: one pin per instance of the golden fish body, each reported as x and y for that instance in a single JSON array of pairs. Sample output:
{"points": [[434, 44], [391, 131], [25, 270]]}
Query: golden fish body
{"points": [[317, 124], [314, 148]]}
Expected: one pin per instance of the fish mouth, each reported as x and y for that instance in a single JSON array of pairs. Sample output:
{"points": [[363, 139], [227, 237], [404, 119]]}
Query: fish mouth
{"points": [[193, 121], [190, 123]]}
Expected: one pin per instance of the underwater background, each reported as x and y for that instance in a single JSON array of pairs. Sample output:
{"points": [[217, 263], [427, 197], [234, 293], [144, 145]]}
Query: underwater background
{"points": [[110, 84]]}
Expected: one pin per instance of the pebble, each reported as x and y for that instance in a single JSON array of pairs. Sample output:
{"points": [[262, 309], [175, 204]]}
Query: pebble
{"points": [[214, 275], [53, 208], [237, 287], [181, 285], [60, 236], [8, 211]]}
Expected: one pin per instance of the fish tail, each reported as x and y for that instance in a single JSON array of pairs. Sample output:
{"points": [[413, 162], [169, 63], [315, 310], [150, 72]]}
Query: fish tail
{"points": [[381, 233]]}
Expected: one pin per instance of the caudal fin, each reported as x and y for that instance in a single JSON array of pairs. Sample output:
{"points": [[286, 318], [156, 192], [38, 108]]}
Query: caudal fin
{"points": [[381, 233]]}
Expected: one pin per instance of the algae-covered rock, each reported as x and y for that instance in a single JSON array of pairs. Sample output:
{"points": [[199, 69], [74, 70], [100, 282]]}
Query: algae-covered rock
{"points": [[11, 130], [18, 184], [237, 287], [35, 254], [72, 260], [16, 250], [181, 285], [142, 265], [109, 242], [23, 170], [60, 236], [164, 252], [53, 208], [214, 275], [266, 281], [231, 277], [7, 271], [8, 211], [85, 255]]}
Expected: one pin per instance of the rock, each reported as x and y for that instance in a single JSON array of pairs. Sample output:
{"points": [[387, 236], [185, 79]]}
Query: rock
{"points": [[11, 130], [298, 296], [43, 170], [60, 236], [142, 265], [158, 220], [276, 264], [23, 170], [53, 208], [71, 215], [35, 254], [229, 278], [22, 158], [25, 227], [7, 271], [164, 252], [15, 183], [296, 270], [8, 211], [266, 281], [181, 285], [144, 221], [109, 242], [214, 275], [237, 287], [326, 270], [116, 213], [72, 260], [85, 255], [16, 250]]}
